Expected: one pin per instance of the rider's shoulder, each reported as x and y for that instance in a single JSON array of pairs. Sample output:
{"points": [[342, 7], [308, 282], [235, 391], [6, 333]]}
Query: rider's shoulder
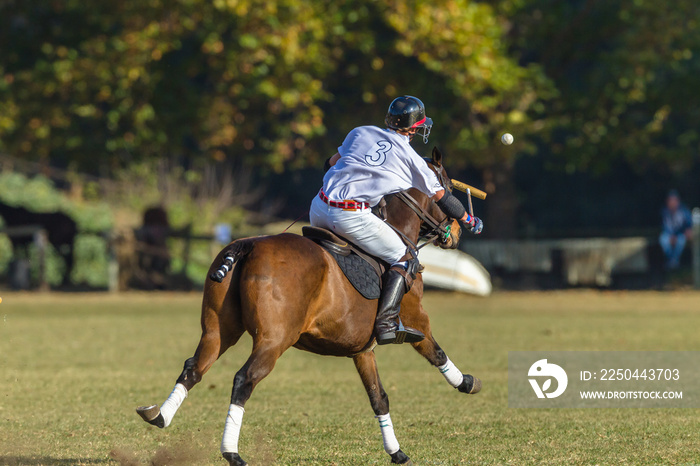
{"points": [[367, 129], [366, 134], [371, 133]]}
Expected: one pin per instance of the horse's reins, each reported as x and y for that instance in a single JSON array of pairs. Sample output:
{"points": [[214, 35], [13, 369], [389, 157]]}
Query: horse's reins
{"points": [[437, 229]]}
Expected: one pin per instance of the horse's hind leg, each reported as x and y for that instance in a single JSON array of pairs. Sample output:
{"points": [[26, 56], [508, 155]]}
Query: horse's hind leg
{"points": [[220, 330], [257, 367], [366, 365]]}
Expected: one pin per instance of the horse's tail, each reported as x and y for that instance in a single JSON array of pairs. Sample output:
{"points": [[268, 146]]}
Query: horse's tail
{"points": [[233, 253]]}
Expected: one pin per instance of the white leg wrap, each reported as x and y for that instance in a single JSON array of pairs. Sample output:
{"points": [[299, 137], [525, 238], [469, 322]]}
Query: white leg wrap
{"points": [[452, 374], [172, 404], [391, 445], [232, 429]]}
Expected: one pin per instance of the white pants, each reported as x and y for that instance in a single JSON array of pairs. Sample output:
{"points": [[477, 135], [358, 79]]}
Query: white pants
{"points": [[361, 227]]}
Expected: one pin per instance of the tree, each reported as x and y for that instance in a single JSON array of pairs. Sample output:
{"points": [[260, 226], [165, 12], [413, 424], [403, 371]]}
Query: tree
{"points": [[625, 73], [276, 84], [101, 86]]}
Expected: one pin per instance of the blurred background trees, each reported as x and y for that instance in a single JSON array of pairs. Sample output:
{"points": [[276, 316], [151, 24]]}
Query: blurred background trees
{"points": [[599, 95]]}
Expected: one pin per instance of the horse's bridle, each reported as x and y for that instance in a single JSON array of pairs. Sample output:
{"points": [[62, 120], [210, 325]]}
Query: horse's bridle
{"points": [[435, 229]]}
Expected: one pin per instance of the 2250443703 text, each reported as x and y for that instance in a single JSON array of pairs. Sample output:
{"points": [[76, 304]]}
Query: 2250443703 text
{"points": [[612, 375]]}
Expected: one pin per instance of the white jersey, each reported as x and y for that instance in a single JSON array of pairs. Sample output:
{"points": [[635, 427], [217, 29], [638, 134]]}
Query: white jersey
{"points": [[375, 162]]}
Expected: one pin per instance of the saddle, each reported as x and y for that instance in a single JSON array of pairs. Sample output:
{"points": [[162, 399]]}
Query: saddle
{"points": [[362, 270]]}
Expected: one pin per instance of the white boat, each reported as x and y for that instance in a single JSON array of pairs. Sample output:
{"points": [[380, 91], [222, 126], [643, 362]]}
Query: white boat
{"points": [[451, 269]]}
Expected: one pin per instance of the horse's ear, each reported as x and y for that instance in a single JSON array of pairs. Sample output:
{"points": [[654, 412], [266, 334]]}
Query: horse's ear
{"points": [[437, 157]]}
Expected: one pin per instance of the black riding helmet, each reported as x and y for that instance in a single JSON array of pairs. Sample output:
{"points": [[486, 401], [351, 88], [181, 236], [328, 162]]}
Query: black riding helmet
{"points": [[408, 112]]}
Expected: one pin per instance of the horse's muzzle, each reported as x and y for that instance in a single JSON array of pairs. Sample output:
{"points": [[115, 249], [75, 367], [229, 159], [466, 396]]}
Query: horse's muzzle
{"points": [[452, 241]]}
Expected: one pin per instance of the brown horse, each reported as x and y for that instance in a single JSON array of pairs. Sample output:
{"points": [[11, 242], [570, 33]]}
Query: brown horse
{"points": [[286, 291]]}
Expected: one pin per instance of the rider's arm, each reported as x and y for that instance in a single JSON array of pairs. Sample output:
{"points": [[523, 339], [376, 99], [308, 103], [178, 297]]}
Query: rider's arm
{"points": [[330, 161], [451, 206]]}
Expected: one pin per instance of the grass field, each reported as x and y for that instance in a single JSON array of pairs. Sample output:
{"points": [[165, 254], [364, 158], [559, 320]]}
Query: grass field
{"points": [[74, 367]]}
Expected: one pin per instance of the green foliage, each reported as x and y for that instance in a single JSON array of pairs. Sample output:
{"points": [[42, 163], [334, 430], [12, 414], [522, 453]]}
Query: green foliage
{"points": [[91, 258], [189, 205], [5, 250], [188, 196], [625, 71], [54, 265], [143, 185], [103, 87], [120, 87], [462, 44], [38, 194]]}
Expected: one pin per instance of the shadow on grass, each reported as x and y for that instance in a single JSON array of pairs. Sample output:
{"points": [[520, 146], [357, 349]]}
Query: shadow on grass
{"points": [[47, 460]]}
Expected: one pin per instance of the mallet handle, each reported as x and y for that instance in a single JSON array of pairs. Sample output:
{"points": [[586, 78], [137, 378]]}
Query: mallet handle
{"points": [[464, 187], [469, 198]]}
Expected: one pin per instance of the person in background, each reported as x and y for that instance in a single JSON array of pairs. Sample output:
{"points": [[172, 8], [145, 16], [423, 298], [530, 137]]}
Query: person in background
{"points": [[677, 226]]}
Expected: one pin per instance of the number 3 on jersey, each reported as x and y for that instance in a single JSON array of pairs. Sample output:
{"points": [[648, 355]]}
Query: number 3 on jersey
{"points": [[379, 155]]}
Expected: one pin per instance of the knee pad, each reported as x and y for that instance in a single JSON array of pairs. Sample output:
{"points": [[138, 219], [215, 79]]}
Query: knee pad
{"points": [[408, 270]]}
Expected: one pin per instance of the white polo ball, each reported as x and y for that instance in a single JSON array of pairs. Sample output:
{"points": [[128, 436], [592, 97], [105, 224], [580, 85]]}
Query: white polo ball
{"points": [[507, 139]]}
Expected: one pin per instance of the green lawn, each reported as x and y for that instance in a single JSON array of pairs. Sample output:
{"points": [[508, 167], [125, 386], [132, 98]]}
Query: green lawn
{"points": [[74, 367]]}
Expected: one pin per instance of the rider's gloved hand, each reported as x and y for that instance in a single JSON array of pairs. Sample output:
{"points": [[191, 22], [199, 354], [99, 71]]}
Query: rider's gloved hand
{"points": [[478, 226], [451, 207], [474, 224]]}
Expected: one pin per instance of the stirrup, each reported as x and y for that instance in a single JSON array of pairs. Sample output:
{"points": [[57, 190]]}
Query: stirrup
{"points": [[407, 335], [400, 335], [386, 338]]}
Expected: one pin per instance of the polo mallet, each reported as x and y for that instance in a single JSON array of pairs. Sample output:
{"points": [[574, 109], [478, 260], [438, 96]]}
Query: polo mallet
{"points": [[465, 188], [469, 198]]}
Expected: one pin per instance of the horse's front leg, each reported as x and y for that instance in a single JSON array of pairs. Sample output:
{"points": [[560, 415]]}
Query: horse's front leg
{"points": [[413, 314], [430, 350], [366, 366]]}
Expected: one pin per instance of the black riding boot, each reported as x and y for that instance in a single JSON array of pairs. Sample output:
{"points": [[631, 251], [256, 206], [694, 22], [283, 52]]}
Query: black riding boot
{"points": [[386, 326]]}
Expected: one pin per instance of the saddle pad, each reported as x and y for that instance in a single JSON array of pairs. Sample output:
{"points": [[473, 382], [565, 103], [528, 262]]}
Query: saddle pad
{"points": [[362, 275]]}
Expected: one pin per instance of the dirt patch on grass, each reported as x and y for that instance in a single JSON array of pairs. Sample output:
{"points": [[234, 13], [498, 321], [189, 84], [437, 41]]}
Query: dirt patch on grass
{"points": [[171, 456], [124, 457]]}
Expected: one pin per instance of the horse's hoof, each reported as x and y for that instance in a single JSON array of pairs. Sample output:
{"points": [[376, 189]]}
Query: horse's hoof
{"points": [[234, 459], [470, 385], [152, 415], [400, 458]]}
